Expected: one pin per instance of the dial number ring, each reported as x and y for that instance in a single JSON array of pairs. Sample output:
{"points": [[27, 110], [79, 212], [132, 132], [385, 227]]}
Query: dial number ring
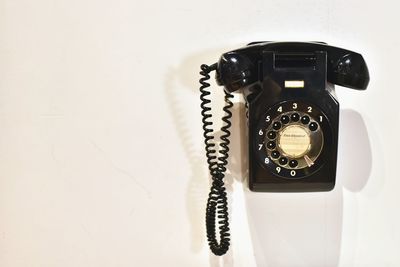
{"points": [[292, 165]]}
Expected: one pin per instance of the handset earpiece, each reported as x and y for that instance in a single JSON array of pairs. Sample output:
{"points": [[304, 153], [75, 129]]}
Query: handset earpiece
{"points": [[236, 70], [348, 69]]}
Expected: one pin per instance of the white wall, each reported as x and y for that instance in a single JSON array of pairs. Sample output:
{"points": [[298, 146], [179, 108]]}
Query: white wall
{"points": [[101, 155]]}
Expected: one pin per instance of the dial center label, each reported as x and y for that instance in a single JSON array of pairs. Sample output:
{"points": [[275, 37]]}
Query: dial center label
{"points": [[294, 141]]}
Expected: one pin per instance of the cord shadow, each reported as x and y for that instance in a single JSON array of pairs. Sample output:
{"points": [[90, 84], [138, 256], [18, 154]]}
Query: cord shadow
{"points": [[187, 75]]}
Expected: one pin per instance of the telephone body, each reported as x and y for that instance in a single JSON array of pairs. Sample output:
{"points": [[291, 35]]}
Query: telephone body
{"points": [[293, 118]]}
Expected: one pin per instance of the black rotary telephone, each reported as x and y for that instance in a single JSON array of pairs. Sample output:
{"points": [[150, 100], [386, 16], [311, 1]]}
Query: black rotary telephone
{"points": [[292, 115]]}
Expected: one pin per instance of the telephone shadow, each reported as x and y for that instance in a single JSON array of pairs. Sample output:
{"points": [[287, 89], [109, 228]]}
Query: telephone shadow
{"points": [[287, 229], [305, 229]]}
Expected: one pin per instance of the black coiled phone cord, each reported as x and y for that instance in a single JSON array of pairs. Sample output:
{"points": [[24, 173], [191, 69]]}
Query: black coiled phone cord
{"points": [[217, 206]]}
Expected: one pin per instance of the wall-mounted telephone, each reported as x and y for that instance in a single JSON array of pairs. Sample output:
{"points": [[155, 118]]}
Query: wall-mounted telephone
{"points": [[292, 114]]}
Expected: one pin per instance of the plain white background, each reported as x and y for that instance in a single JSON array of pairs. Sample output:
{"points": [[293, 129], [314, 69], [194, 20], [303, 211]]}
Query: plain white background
{"points": [[101, 155]]}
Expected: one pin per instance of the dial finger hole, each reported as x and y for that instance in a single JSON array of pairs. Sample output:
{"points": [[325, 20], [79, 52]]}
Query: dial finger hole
{"points": [[276, 125], [313, 126], [283, 161], [285, 119], [293, 163], [275, 154], [295, 117], [271, 135], [305, 119], [271, 145]]}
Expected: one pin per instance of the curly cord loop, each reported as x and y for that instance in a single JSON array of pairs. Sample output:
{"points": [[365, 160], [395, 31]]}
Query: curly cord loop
{"points": [[217, 206]]}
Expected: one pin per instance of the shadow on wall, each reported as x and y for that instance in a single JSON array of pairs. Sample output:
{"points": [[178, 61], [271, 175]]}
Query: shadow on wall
{"points": [[287, 229]]}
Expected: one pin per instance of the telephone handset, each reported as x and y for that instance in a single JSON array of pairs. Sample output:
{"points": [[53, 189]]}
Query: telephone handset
{"points": [[292, 117]]}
